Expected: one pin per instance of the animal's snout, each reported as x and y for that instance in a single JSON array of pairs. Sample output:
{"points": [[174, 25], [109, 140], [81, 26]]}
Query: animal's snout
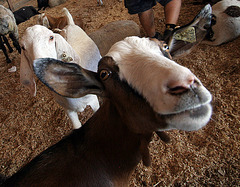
{"points": [[181, 84]]}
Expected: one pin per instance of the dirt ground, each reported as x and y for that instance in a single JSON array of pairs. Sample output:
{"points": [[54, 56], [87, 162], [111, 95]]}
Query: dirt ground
{"points": [[208, 157]]}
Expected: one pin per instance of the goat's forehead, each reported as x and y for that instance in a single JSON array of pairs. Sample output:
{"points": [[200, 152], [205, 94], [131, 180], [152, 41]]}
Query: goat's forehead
{"points": [[37, 30], [136, 55], [34, 32], [143, 66]]}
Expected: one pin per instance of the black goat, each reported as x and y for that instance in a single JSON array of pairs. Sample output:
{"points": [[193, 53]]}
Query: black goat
{"points": [[24, 14]]}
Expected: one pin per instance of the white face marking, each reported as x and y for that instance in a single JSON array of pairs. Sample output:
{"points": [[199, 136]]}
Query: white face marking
{"points": [[144, 67]]}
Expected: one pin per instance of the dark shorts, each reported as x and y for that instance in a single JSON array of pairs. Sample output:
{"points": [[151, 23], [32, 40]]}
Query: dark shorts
{"points": [[138, 6]]}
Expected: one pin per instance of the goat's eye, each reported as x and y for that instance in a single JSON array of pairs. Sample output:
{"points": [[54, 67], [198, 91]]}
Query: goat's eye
{"points": [[51, 37], [23, 48], [104, 74], [165, 47]]}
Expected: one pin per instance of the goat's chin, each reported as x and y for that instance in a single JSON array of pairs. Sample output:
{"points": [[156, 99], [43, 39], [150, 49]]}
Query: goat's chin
{"points": [[190, 120]]}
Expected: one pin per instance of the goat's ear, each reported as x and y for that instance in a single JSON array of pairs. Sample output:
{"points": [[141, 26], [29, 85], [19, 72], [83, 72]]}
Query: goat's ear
{"points": [[66, 79], [26, 75], [40, 17], [186, 37], [45, 22], [64, 48]]}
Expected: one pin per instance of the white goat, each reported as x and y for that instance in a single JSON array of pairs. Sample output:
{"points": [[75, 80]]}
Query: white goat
{"points": [[113, 32], [81, 43], [225, 22], [77, 46], [143, 92], [8, 26], [38, 42]]}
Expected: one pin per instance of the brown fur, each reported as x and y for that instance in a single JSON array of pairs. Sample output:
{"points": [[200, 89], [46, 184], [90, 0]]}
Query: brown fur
{"points": [[60, 22]]}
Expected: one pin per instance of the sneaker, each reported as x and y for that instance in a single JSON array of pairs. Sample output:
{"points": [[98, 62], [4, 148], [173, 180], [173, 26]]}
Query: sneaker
{"points": [[158, 36], [167, 33]]}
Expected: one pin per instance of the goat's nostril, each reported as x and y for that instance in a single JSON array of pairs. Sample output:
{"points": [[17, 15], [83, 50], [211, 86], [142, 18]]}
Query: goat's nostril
{"points": [[181, 86], [190, 80], [178, 90]]}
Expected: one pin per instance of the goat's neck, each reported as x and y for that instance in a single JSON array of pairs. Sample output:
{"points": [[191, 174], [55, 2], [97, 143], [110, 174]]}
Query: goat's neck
{"points": [[117, 145]]}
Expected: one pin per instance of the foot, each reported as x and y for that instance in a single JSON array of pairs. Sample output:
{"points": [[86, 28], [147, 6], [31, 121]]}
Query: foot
{"points": [[167, 33], [158, 36]]}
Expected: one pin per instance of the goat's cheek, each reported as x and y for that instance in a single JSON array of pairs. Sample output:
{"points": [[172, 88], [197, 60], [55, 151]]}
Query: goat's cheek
{"points": [[165, 104]]}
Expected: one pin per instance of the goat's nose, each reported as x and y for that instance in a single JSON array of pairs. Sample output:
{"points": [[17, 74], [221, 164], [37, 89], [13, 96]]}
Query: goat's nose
{"points": [[181, 85]]}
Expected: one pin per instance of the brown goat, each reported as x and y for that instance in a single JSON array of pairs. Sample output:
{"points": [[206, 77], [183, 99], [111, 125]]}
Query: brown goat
{"points": [[143, 92], [58, 22]]}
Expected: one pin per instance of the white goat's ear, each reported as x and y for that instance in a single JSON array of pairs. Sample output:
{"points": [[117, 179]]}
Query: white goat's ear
{"points": [[63, 47], [39, 20], [26, 75], [186, 37], [66, 79]]}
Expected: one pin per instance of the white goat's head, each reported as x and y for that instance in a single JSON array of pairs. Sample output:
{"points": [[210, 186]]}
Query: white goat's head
{"points": [[225, 25], [40, 42], [136, 71]]}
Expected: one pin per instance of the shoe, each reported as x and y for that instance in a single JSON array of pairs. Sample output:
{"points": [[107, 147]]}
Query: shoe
{"points": [[158, 36], [167, 33]]}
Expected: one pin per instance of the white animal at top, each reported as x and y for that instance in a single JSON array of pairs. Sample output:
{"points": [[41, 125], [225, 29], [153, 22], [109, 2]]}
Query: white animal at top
{"points": [[225, 22], [39, 42]]}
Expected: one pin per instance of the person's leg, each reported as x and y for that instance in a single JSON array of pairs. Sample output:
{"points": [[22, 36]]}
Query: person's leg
{"points": [[145, 13], [146, 19], [172, 11]]}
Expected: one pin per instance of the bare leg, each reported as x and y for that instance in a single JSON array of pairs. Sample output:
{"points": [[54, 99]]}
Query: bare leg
{"points": [[172, 11], [147, 21]]}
